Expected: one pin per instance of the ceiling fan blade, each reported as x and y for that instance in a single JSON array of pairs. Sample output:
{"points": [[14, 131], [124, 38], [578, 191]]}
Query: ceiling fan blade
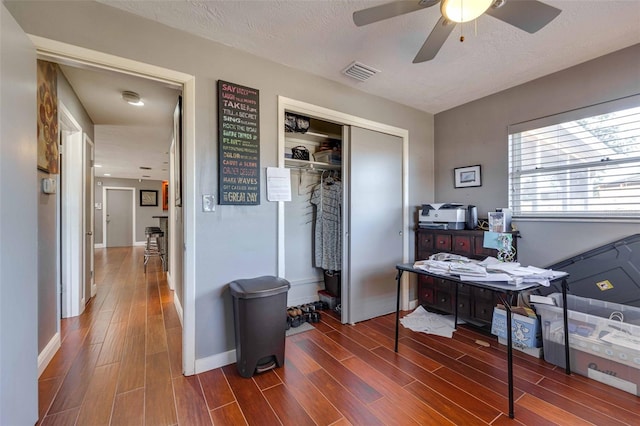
{"points": [[529, 16], [434, 42], [389, 10]]}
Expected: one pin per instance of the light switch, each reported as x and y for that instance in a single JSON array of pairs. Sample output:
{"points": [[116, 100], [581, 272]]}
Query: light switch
{"points": [[49, 186]]}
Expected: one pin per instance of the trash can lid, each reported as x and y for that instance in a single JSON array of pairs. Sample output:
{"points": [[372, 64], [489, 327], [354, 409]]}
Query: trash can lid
{"points": [[258, 287]]}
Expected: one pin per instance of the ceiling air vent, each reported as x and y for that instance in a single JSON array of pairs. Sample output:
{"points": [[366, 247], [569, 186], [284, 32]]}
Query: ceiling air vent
{"points": [[360, 71]]}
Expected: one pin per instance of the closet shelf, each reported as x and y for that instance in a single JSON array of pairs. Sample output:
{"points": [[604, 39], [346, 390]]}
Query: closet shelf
{"points": [[312, 165]]}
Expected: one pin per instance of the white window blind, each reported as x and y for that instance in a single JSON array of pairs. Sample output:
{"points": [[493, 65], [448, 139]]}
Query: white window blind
{"points": [[580, 164]]}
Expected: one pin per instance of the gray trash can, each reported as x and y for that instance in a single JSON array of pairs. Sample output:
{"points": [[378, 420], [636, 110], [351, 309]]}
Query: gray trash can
{"points": [[260, 313]]}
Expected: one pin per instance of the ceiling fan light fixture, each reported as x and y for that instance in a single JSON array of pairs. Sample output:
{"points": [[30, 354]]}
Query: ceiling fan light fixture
{"points": [[132, 98], [464, 10]]}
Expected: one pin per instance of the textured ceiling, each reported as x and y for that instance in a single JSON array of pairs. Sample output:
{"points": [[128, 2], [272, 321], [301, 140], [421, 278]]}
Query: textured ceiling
{"points": [[319, 36], [127, 137]]}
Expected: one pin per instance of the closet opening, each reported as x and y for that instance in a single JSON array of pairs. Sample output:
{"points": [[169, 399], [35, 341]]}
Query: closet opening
{"points": [[314, 216], [348, 175]]}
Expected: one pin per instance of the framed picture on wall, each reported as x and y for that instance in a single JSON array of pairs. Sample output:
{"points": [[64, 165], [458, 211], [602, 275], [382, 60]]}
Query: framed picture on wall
{"points": [[148, 198], [467, 176]]}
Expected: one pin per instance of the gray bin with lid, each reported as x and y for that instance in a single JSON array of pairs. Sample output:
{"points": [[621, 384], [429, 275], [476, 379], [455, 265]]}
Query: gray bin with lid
{"points": [[260, 313]]}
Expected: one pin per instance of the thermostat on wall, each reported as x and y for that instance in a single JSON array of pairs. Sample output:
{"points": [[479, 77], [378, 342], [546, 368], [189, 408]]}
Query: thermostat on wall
{"points": [[49, 185]]}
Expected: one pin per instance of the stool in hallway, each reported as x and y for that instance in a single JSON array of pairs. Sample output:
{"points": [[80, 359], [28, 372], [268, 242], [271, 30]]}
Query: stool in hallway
{"points": [[154, 246]]}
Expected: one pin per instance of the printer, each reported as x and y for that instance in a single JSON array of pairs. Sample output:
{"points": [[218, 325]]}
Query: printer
{"points": [[443, 216]]}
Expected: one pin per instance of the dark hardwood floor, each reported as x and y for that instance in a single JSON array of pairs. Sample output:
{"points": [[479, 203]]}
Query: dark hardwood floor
{"points": [[120, 364]]}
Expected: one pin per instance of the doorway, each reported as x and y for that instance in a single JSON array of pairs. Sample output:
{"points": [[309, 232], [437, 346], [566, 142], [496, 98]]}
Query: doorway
{"points": [[184, 214], [72, 223]]}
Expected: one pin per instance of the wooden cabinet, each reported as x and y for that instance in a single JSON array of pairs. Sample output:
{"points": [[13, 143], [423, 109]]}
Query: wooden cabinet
{"points": [[474, 304]]}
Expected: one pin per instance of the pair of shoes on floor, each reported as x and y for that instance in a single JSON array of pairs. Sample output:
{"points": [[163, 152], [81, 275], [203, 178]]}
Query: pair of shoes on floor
{"points": [[298, 315], [295, 317]]}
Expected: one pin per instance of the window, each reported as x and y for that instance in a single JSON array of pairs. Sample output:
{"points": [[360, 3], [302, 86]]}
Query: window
{"points": [[579, 164]]}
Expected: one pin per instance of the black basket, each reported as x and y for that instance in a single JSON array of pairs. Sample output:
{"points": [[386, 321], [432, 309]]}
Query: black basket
{"points": [[300, 153]]}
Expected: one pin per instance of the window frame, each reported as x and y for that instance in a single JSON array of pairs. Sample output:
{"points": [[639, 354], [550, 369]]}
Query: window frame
{"points": [[632, 101]]}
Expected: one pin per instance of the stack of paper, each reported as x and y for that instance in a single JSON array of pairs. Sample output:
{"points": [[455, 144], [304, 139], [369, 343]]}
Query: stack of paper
{"points": [[490, 269]]}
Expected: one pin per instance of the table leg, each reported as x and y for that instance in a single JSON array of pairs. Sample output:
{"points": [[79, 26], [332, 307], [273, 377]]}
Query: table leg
{"points": [[455, 310], [398, 279], [507, 307], [567, 357]]}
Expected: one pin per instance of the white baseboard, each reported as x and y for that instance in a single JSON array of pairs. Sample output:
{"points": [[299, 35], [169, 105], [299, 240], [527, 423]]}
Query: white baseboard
{"points": [[413, 304], [304, 291], [170, 281], [98, 245], [140, 243], [94, 289], [215, 361], [45, 357], [178, 306]]}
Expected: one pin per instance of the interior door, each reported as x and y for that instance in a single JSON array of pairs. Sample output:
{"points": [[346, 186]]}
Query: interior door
{"points": [[374, 223], [89, 218], [119, 218]]}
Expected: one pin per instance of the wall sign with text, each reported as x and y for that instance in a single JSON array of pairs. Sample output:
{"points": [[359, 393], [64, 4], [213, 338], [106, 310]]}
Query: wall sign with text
{"points": [[238, 144]]}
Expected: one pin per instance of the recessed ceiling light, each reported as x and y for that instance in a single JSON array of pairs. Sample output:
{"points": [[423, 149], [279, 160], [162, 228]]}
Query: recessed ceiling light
{"points": [[132, 98], [107, 174], [97, 165]]}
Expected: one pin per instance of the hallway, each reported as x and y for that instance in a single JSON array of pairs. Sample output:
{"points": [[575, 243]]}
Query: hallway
{"points": [[120, 364]]}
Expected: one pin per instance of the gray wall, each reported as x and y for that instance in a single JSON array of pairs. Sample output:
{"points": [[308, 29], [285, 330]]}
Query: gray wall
{"points": [[144, 215], [18, 227], [48, 221], [68, 97], [476, 133], [232, 242]]}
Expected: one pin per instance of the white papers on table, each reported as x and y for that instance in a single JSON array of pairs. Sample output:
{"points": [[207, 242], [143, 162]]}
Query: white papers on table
{"points": [[278, 184], [489, 270]]}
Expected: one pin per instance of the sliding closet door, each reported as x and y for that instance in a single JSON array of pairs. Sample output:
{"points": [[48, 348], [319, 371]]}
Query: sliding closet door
{"points": [[374, 223]]}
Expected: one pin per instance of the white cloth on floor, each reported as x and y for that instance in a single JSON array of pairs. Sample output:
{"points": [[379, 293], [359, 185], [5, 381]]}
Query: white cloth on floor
{"points": [[424, 321]]}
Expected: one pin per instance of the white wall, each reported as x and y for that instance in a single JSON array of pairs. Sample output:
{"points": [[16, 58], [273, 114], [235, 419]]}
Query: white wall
{"points": [[232, 242], [476, 133], [18, 227]]}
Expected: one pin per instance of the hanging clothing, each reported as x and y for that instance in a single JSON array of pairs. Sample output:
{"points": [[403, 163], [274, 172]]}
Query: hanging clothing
{"points": [[327, 197]]}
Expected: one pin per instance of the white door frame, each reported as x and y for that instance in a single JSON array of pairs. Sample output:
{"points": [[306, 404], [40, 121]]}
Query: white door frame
{"points": [[62, 51], [346, 120], [104, 212], [89, 249], [72, 219]]}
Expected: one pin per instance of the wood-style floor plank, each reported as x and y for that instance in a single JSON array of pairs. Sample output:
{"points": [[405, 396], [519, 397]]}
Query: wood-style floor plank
{"points": [[357, 386], [216, 389], [132, 368], [306, 393], [64, 418], [120, 363], [190, 403], [286, 407], [128, 408], [254, 405], [98, 402], [160, 406], [229, 414]]}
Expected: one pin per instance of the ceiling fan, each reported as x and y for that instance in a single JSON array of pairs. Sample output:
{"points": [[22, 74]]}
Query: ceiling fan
{"points": [[528, 15]]}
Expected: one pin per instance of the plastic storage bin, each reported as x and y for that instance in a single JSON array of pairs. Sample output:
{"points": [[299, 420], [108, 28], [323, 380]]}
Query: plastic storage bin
{"points": [[604, 339], [259, 308], [328, 156]]}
